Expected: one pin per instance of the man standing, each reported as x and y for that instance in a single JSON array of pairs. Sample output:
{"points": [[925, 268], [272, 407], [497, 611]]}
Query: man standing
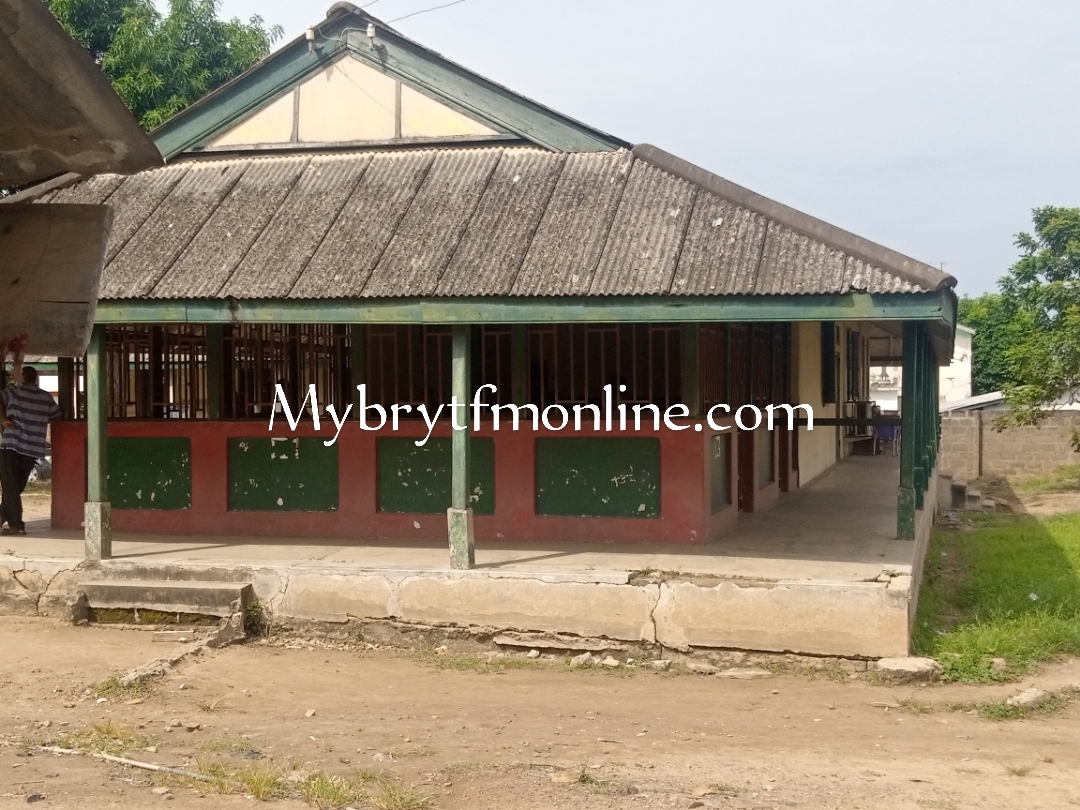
{"points": [[25, 411]]}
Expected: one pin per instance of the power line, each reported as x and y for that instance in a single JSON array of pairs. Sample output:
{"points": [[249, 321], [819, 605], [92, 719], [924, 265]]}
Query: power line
{"points": [[425, 11]]}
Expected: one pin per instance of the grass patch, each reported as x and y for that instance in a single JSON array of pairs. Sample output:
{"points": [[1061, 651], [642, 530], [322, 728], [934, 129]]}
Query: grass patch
{"points": [[1008, 588], [396, 796], [106, 737], [263, 781], [328, 792], [915, 706], [1063, 479], [475, 663], [211, 706], [999, 710], [112, 688], [1019, 770], [363, 788], [239, 746]]}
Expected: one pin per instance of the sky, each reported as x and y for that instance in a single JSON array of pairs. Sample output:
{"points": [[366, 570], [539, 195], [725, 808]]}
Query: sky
{"points": [[930, 126]]}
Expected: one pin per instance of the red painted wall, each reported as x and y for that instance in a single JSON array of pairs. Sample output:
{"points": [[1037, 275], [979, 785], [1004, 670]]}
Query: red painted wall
{"points": [[685, 513]]}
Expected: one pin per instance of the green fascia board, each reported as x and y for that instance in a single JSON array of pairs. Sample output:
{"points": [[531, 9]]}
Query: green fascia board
{"points": [[935, 307], [418, 67], [477, 97]]}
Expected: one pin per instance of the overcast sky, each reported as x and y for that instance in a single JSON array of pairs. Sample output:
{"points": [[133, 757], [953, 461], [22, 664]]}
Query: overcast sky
{"points": [[931, 126]]}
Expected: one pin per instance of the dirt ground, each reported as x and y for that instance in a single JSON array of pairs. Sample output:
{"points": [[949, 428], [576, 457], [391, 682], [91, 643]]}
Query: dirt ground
{"points": [[1039, 505], [517, 738]]}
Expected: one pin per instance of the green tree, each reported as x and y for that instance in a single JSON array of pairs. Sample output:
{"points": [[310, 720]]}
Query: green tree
{"points": [[993, 317], [159, 64], [1044, 289]]}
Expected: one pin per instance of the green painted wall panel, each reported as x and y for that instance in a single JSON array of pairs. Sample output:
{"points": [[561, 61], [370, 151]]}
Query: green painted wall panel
{"points": [[416, 480], [598, 477], [282, 475], [149, 472]]}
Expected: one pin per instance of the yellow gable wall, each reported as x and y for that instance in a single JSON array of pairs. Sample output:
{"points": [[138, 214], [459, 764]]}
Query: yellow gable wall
{"points": [[272, 124], [348, 102]]}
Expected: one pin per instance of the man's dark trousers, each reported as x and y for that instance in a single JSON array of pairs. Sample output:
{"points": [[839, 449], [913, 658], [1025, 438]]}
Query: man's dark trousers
{"points": [[15, 469]]}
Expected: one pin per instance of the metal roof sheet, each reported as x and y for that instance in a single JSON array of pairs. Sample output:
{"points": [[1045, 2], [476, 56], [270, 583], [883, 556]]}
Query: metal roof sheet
{"points": [[721, 250], [301, 223], [575, 226], [356, 240], [643, 245], [151, 251], [489, 256], [432, 227], [469, 221], [223, 242]]}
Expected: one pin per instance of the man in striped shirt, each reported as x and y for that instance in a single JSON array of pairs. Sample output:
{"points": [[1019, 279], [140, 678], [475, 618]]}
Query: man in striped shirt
{"points": [[25, 411]]}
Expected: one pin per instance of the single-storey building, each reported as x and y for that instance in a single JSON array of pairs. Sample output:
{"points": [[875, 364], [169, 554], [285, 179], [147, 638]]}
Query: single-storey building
{"points": [[358, 210]]}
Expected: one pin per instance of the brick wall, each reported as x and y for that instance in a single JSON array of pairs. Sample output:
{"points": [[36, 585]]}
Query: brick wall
{"points": [[972, 448]]}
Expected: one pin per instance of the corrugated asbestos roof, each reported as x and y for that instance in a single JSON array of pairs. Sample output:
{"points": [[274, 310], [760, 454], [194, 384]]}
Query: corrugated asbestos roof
{"points": [[505, 221]]}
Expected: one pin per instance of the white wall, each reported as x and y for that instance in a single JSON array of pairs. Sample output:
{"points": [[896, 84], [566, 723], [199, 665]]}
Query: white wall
{"points": [[955, 379], [817, 447]]}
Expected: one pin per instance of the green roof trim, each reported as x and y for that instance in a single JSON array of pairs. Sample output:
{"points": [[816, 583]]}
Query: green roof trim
{"points": [[929, 306], [343, 34]]}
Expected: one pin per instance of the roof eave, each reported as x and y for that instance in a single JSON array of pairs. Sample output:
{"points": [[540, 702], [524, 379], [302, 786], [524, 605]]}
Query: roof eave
{"points": [[916, 272]]}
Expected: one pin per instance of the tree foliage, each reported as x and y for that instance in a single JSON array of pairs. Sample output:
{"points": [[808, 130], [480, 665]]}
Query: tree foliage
{"points": [[993, 317], [1043, 290], [159, 64]]}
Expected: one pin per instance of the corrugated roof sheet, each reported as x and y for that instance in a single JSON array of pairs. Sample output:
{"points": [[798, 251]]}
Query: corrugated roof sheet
{"points": [[509, 221]]}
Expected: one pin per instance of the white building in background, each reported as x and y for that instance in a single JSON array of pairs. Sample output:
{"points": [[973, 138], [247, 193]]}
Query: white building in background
{"points": [[886, 373]]}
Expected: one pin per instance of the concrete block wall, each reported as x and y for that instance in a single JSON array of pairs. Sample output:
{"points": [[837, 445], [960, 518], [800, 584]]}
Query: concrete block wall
{"points": [[961, 440], [971, 447]]}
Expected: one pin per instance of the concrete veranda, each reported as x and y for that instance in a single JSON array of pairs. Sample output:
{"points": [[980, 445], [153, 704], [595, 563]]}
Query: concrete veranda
{"points": [[840, 528], [820, 573]]}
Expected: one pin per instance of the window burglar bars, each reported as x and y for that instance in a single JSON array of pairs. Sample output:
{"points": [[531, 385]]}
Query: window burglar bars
{"points": [[156, 372], [570, 364], [259, 357]]}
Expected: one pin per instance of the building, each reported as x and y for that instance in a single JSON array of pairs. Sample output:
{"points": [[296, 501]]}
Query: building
{"points": [[356, 209], [887, 375], [444, 217]]}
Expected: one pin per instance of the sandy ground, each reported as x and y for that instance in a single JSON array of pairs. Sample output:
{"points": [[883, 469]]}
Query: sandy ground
{"points": [[518, 739]]}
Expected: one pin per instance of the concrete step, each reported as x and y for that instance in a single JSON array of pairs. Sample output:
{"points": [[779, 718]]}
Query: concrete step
{"points": [[168, 596], [959, 493], [974, 500]]}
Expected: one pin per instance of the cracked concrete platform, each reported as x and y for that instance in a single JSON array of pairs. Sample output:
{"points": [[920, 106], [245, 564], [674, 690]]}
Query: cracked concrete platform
{"points": [[820, 573]]}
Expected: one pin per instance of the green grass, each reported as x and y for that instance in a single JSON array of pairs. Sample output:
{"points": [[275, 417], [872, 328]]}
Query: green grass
{"points": [[112, 688], [998, 710], [105, 737], [238, 746], [976, 602], [1063, 479]]}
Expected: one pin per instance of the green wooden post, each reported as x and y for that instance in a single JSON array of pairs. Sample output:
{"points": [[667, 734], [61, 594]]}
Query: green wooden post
{"points": [[215, 370], [459, 516], [65, 385], [690, 367], [920, 417], [905, 506], [519, 363], [98, 517], [357, 363]]}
